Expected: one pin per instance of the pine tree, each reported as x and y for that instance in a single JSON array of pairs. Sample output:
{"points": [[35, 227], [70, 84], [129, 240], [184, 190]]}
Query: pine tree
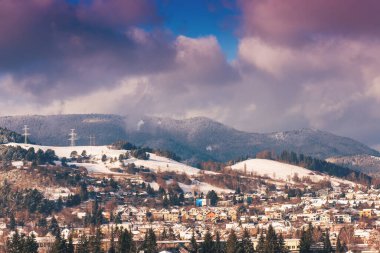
{"points": [[150, 244], [260, 248], [70, 245], [165, 201], [218, 247], [125, 242], [281, 244], [54, 227], [208, 244], [271, 242], [83, 245], [232, 243], [247, 245], [14, 245], [327, 248], [193, 244], [12, 222], [96, 241], [30, 245], [112, 248], [59, 245], [213, 197], [305, 242]]}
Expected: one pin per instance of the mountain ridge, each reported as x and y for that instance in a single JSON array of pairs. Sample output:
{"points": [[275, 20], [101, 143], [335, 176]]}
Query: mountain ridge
{"points": [[195, 139]]}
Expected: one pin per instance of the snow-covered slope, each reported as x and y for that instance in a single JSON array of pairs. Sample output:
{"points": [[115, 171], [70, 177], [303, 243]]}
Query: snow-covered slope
{"points": [[155, 163], [158, 163], [281, 171]]}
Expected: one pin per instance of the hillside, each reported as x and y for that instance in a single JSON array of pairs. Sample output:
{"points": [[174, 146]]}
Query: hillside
{"points": [[112, 166], [365, 163], [195, 139], [282, 171], [104, 161]]}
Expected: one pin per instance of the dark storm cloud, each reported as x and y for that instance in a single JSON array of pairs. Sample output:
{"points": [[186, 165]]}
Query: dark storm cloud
{"points": [[299, 64], [300, 21], [84, 46]]}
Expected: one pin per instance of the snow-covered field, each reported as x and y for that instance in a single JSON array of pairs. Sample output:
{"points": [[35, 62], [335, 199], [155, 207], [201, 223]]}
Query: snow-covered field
{"points": [[261, 167], [281, 171], [155, 163], [158, 163], [203, 187]]}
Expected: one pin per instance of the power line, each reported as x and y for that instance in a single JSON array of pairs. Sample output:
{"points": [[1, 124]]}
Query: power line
{"points": [[92, 140], [26, 134], [73, 137]]}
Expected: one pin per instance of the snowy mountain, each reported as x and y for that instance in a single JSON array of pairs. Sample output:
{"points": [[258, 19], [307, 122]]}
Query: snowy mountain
{"points": [[195, 139]]}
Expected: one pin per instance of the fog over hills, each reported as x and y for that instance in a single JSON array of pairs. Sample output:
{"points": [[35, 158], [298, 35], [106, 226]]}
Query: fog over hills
{"points": [[193, 139]]}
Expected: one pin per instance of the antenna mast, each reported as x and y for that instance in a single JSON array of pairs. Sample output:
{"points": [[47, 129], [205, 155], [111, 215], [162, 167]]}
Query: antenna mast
{"points": [[73, 137], [26, 134]]}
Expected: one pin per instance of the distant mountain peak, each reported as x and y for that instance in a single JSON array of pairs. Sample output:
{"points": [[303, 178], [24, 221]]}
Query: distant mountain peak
{"points": [[194, 139]]}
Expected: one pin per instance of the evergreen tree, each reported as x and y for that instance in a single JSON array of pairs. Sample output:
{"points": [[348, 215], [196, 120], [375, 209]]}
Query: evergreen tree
{"points": [[59, 245], [83, 192], [112, 248], [30, 245], [213, 197], [70, 245], [218, 247], [208, 244], [165, 201], [246, 243], [327, 248], [260, 248], [305, 242], [96, 241], [125, 242], [14, 245], [149, 190], [271, 242], [12, 222], [54, 227], [281, 244], [150, 244], [232, 243], [193, 244], [83, 245]]}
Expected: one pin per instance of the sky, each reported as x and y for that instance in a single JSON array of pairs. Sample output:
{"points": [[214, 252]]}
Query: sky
{"points": [[256, 65]]}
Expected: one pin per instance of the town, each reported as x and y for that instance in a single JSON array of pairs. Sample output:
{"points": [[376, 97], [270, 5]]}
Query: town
{"points": [[110, 199]]}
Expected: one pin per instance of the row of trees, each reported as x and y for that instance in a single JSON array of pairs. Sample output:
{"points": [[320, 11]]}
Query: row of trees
{"points": [[22, 244], [10, 153], [307, 240], [270, 244]]}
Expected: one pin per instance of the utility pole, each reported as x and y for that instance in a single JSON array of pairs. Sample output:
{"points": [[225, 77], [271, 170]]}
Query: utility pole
{"points": [[26, 134], [73, 137], [92, 140]]}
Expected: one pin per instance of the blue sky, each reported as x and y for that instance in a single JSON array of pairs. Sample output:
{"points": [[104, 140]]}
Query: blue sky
{"points": [[199, 18]]}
